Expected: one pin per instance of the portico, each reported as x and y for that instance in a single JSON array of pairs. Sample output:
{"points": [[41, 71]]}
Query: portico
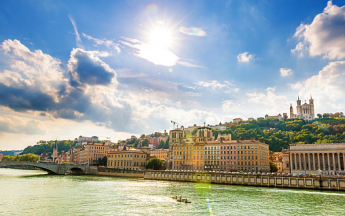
{"points": [[308, 158]]}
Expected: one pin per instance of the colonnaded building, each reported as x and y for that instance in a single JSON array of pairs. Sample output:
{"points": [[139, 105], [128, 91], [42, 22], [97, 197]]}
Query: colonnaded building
{"points": [[309, 158], [204, 152]]}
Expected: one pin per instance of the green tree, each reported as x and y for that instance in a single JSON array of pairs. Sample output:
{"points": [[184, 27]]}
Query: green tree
{"points": [[273, 167], [194, 131], [161, 144], [319, 115], [142, 136], [102, 161], [26, 157], [155, 164], [145, 142]]}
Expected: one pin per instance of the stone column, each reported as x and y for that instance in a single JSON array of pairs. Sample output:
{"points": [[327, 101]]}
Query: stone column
{"points": [[334, 166], [304, 162], [314, 167], [318, 159], [295, 161], [291, 162], [339, 164], [329, 163], [324, 163], [300, 164], [309, 165], [344, 160]]}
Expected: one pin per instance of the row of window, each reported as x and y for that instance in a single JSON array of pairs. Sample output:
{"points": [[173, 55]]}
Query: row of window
{"points": [[127, 155], [186, 157], [190, 148], [125, 163], [245, 152], [190, 152]]}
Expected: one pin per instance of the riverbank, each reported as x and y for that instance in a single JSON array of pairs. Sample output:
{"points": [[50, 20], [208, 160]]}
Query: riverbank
{"points": [[325, 183]]}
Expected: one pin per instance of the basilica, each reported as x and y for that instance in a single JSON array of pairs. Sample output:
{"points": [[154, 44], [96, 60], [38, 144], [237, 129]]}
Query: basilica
{"points": [[305, 111]]}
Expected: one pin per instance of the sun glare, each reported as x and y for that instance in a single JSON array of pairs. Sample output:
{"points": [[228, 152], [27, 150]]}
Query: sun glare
{"points": [[160, 38]]}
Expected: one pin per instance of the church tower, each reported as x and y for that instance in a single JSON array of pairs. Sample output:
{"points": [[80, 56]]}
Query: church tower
{"points": [[299, 108], [291, 111], [311, 103], [55, 151]]}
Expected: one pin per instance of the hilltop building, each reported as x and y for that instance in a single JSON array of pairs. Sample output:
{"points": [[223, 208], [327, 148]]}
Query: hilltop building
{"points": [[305, 111]]}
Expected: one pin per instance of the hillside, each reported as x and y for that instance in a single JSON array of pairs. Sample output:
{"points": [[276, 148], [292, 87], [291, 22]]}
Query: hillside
{"points": [[64, 145], [279, 134]]}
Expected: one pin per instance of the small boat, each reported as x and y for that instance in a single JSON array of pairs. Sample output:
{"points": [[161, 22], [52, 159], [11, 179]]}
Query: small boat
{"points": [[188, 201]]}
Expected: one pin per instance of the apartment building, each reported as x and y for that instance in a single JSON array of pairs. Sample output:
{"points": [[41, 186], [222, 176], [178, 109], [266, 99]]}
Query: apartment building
{"points": [[131, 159]]}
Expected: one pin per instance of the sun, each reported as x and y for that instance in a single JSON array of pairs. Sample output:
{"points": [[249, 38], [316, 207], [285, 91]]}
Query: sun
{"points": [[160, 37]]}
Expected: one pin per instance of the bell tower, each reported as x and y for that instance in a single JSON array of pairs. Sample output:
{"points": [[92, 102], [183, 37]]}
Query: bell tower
{"points": [[291, 111]]}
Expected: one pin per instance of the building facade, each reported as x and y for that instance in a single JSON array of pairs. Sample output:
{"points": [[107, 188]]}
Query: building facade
{"points": [[160, 154], [204, 152], [91, 152], [130, 160], [309, 158], [252, 155]]}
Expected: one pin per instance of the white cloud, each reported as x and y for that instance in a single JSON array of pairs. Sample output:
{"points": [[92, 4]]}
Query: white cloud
{"points": [[212, 84], [17, 124], [188, 64], [193, 31], [103, 41], [284, 72], [325, 36], [231, 106], [327, 88], [244, 57], [77, 36], [270, 102], [155, 54], [32, 70]]}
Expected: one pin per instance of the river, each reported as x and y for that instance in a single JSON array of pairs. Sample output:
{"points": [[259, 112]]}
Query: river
{"points": [[31, 192]]}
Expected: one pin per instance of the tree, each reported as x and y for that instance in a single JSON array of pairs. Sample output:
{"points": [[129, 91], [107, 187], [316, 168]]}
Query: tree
{"points": [[319, 115], [155, 164], [142, 136], [145, 142], [26, 157], [161, 144], [194, 131], [273, 167]]}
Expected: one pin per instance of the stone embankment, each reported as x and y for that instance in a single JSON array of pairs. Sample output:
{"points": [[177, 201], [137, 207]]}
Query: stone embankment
{"points": [[326, 182]]}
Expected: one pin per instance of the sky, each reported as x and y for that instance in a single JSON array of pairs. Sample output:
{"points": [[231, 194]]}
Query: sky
{"points": [[117, 68]]}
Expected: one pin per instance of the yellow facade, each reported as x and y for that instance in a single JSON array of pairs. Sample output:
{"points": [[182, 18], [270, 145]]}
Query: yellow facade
{"points": [[160, 154], [131, 160], [252, 155]]}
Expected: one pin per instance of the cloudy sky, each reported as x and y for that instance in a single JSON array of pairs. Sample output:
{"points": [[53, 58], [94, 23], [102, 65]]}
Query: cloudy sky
{"points": [[117, 68]]}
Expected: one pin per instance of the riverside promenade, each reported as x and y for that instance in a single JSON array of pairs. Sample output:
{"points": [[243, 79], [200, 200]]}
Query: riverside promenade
{"points": [[294, 182]]}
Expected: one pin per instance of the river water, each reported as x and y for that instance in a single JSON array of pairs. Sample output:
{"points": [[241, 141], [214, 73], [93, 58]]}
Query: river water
{"points": [[30, 192]]}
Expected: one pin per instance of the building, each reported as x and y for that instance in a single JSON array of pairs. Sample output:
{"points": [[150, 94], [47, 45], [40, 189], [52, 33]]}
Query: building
{"points": [[236, 120], [185, 154], [91, 152], [1, 155], [154, 141], [305, 111], [279, 116], [277, 159], [205, 152], [128, 159], [227, 153], [252, 155], [87, 139], [160, 154], [309, 158]]}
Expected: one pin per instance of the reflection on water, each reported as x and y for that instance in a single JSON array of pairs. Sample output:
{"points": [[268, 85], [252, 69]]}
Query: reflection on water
{"points": [[30, 192]]}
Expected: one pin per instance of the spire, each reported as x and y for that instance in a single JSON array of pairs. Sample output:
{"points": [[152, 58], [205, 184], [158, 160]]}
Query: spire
{"points": [[311, 96], [298, 96], [56, 147]]}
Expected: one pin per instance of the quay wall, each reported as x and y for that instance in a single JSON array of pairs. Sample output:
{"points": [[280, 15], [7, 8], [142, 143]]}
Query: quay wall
{"points": [[326, 183], [120, 173]]}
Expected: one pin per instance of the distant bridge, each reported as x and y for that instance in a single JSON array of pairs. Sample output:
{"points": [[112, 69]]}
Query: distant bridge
{"points": [[52, 168]]}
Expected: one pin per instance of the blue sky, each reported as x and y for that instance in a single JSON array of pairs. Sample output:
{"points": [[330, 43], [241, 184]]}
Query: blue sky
{"points": [[116, 68]]}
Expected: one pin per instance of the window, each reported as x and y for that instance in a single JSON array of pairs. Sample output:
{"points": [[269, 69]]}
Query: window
{"points": [[241, 147], [256, 147], [245, 147]]}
